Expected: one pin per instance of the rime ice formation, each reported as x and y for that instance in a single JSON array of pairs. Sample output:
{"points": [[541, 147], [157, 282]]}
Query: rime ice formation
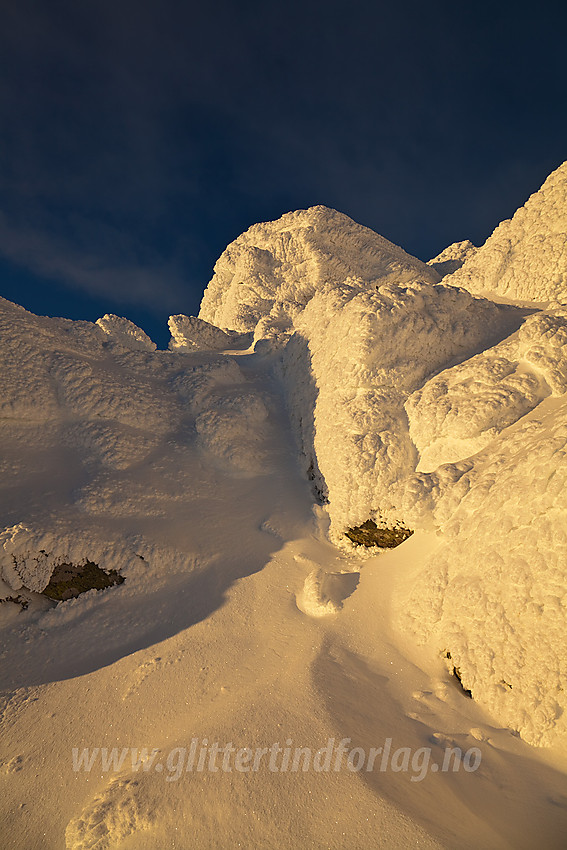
{"points": [[190, 333], [265, 278], [459, 411], [494, 593], [453, 257], [126, 333], [354, 359], [526, 256]]}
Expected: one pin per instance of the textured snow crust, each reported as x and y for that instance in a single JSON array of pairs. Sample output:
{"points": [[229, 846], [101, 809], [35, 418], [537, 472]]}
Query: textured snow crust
{"points": [[526, 256], [120, 811]]}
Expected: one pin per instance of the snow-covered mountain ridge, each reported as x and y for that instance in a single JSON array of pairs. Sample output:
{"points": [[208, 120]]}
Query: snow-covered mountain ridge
{"points": [[329, 379]]}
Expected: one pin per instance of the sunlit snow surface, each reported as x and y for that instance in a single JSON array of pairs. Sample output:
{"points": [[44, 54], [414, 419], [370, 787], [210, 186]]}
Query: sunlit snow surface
{"points": [[330, 378]]}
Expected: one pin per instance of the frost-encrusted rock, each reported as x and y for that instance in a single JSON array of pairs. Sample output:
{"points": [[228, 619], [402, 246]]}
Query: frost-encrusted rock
{"points": [[266, 277], [23, 561], [126, 333], [453, 257], [28, 557], [355, 357], [526, 256], [459, 411], [194, 334]]}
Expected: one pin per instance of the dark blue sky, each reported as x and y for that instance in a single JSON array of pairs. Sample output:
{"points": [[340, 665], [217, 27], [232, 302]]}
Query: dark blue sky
{"points": [[137, 139]]}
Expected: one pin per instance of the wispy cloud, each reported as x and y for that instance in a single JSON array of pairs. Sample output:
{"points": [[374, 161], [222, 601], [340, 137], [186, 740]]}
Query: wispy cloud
{"points": [[115, 274]]}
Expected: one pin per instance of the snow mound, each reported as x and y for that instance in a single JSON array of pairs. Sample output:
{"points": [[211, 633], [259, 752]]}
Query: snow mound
{"points": [[493, 594], [126, 333], [112, 816], [271, 271], [193, 334], [313, 600], [453, 257], [323, 593], [355, 357], [458, 412], [526, 256]]}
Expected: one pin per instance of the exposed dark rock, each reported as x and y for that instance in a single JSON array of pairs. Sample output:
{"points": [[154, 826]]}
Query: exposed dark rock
{"points": [[370, 534], [69, 580], [457, 675]]}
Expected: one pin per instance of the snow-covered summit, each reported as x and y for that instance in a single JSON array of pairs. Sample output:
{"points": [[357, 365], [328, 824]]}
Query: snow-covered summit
{"points": [[269, 273], [526, 256]]}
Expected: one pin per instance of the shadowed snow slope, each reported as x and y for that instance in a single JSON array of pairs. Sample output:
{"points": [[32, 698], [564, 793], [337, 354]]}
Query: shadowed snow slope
{"points": [[271, 272], [526, 256], [113, 455]]}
